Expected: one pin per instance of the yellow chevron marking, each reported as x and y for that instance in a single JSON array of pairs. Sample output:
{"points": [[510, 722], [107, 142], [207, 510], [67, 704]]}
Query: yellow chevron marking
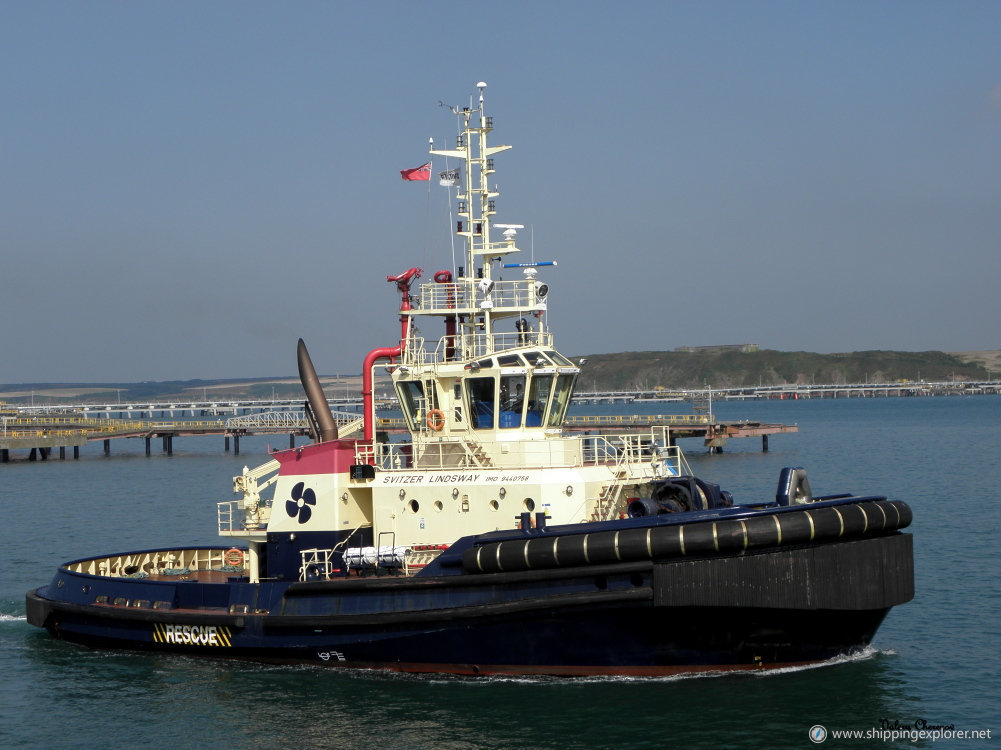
{"points": [[193, 635]]}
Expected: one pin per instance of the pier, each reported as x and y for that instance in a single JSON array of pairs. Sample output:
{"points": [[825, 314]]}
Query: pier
{"points": [[796, 391], [40, 436], [714, 434]]}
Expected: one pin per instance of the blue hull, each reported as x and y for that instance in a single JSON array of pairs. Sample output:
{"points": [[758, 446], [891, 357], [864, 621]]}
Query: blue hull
{"points": [[801, 600]]}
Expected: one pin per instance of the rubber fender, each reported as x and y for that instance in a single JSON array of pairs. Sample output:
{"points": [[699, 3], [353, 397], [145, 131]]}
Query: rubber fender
{"points": [[822, 524]]}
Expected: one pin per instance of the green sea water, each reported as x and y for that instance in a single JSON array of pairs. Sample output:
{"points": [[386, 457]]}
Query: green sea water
{"points": [[936, 662]]}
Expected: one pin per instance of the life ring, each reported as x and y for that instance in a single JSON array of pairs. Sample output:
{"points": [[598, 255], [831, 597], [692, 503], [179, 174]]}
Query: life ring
{"points": [[234, 557], [436, 420]]}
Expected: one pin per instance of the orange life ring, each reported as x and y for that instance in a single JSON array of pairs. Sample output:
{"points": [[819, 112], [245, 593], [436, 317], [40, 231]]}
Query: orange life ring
{"points": [[234, 557], [436, 420]]}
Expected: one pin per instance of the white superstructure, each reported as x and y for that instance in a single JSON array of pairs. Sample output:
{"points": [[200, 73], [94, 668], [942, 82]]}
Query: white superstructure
{"points": [[484, 403]]}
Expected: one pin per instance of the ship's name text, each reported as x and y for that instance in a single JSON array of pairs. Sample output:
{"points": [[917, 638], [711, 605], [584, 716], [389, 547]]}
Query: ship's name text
{"points": [[431, 479]]}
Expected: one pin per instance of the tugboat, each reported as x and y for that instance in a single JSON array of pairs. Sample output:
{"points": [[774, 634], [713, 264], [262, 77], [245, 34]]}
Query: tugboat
{"points": [[492, 541]]}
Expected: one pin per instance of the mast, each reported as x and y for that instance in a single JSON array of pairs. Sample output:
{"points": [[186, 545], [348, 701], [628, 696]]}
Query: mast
{"points": [[476, 209]]}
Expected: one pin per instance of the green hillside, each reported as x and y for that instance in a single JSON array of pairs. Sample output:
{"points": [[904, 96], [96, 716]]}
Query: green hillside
{"points": [[728, 369]]}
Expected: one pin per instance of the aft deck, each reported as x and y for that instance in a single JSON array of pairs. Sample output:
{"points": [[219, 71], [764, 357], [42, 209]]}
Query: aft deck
{"points": [[204, 564]]}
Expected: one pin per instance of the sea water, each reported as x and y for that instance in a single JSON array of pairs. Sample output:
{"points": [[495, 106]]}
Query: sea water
{"points": [[934, 663]]}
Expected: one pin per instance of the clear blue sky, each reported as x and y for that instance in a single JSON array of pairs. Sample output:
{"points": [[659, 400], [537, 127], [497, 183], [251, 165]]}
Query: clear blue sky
{"points": [[188, 187]]}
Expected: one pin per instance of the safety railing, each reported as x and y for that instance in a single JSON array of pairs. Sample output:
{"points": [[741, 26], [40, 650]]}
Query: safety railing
{"points": [[184, 424], [464, 346], [157, 562], [234, 517], [74, 424], [478, 294], [317, 564], [611, 420], [629, 449], [284, 421], [23, 434], [451, 296]]}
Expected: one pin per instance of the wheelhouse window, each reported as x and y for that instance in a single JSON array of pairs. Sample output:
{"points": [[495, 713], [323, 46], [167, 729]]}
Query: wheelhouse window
{"points": [[538, 359], [412, 401], [539, 391], [457, 400], [512, 400], [482, 407], [559, 359], [510, 360], [561, 399]]}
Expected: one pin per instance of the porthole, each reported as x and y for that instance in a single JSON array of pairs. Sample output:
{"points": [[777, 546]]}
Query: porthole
{"points": [[529, 504], [438, 505], [494, 505], [415, 506]]}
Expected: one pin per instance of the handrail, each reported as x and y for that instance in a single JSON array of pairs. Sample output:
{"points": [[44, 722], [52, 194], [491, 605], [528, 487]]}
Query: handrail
{"points": [[464, 296], [593, 450], [652, 420], [468, 346]]}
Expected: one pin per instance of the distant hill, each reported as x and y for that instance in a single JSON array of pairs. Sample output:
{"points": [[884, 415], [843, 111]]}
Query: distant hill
{"points": [[729, 368]]}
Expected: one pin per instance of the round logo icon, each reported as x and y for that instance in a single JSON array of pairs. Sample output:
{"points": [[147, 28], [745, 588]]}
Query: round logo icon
{"points": [[818, 733]]}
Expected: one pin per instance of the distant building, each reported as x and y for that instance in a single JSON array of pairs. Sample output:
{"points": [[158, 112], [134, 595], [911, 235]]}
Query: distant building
{"points": [[718, 349]]}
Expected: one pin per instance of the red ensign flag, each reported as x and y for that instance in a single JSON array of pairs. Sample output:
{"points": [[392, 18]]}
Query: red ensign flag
{"points": [[422, 172]]}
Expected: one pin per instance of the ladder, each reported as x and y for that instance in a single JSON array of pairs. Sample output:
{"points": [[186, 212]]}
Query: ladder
{"points": [[475, 453], [606, 501]]}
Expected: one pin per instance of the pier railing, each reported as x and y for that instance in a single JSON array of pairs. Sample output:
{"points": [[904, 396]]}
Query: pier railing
{"points": [[614, 420]]}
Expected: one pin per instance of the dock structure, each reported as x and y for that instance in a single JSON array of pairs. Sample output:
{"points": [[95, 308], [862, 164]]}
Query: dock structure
{"points": [[41, 435], [714, 433], [795, 391]]}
